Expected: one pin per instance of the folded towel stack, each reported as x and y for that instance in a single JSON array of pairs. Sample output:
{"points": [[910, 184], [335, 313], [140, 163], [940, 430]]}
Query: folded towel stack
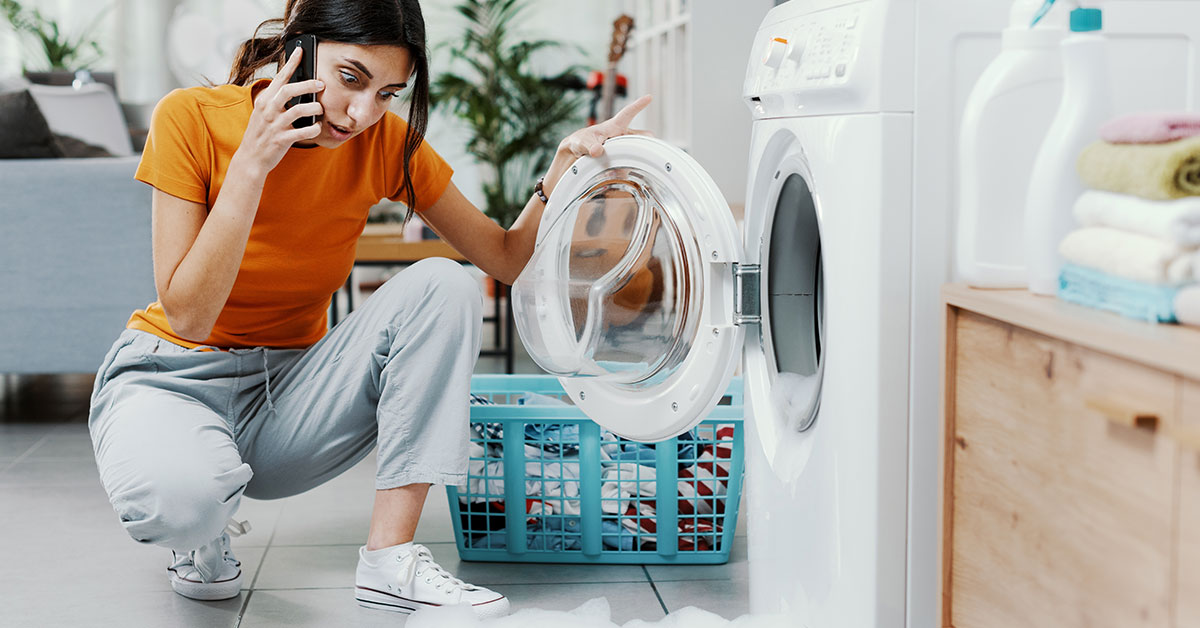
{"points": [[1137, 248], [1153, 303]]}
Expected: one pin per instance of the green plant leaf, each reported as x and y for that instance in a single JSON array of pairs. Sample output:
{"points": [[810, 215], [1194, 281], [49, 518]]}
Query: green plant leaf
{"points": [[62, 51], [516, 116]]}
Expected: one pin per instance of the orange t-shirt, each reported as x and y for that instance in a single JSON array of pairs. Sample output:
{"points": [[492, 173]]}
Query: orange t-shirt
{"points": [[313, 208]]}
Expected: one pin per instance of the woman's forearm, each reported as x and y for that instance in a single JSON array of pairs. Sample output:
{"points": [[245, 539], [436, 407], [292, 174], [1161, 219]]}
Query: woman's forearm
{"points": [[201, 284], [522, 235]]}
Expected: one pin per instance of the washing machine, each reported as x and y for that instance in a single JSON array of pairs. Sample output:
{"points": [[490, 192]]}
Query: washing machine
{"points": [[643, 296]]}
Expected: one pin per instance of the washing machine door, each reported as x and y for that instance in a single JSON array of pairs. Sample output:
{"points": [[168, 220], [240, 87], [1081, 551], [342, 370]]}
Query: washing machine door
{"points": [[629, 295]]}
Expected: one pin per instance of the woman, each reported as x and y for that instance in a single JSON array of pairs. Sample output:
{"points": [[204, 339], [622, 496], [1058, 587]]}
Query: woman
{"points": [[229, 385]]}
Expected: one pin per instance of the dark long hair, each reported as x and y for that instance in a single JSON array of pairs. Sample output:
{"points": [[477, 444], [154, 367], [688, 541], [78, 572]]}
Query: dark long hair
{"points": [[360, 22]]}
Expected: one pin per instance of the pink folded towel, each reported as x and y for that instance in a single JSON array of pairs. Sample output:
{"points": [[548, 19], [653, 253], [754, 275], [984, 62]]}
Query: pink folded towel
{"points": [[1151, 127]]}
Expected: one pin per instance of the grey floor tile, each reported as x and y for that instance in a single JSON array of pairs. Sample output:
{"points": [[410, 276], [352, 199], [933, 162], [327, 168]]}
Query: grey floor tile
{"points": [[336, 606], [263, 517], [79, 516], [728, 598], [84, 608], [337, 513], [627, 601], [735, 569], [68, 442], [308, 567], [329, 517], [315, 608], [17, 439], [78, 532], [50, 473], [535, 573], [331, 566]]}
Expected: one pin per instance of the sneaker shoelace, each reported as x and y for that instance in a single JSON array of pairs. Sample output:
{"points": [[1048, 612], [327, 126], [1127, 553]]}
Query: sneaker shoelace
{"points": [[419, 563], [237, 528]]}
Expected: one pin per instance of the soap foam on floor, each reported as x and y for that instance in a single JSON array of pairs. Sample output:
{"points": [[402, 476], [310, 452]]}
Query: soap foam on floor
{"points": [[594, 613]]}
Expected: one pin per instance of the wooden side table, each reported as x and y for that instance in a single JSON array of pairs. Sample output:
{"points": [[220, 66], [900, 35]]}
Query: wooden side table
{"points": [[384, 245]]}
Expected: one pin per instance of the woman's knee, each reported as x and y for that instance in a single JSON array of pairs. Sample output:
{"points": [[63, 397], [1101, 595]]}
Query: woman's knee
{"points": [[444, 284], [181, 510]]}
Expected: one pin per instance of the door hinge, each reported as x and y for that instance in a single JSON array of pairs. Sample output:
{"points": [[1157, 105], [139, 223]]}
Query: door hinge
{"points": [[746, 308]]}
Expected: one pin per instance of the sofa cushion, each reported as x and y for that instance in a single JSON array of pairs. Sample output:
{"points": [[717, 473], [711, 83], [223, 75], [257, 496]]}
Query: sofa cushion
{"points": [[24, 133], [77, 148], [90, 113]]}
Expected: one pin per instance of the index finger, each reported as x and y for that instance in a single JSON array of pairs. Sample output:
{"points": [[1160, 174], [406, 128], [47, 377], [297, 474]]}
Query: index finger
{"points": [[285, 73], [626, 115]]}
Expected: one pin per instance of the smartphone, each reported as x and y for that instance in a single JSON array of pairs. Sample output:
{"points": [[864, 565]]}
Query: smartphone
{"points": [[307, 71]]}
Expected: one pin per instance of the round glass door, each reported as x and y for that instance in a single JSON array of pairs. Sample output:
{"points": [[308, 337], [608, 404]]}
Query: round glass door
{"points": [[609, 288], [628, 296]]}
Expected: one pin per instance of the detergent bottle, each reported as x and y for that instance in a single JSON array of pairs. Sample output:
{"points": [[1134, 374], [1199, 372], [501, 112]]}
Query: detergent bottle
{"points": [[1055, 184], [1006, 118]]}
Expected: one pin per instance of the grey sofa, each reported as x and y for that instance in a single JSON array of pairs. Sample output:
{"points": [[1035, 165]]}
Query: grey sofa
{"points": [[75, 260]]}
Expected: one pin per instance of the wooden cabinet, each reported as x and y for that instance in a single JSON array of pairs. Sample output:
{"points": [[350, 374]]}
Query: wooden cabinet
{"points": [[1187, 589], [1068, 489]]}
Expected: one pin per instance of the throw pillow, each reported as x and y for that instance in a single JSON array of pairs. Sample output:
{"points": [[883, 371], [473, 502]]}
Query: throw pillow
{"points": [[75, 147], [24, 133]]}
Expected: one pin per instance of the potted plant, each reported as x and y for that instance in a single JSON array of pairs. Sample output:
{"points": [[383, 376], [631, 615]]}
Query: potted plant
{"points": [[64, 53], [516, 116]]}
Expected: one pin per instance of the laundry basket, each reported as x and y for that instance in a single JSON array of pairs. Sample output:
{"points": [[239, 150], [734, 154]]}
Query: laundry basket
{"points": [[583, 495]]}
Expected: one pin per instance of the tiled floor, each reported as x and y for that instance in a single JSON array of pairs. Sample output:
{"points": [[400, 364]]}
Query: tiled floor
{"points": [[65, 561]]}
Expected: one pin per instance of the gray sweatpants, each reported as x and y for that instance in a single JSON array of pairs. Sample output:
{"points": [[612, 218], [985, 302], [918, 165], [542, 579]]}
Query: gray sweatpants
{"points": [[181, 434]]}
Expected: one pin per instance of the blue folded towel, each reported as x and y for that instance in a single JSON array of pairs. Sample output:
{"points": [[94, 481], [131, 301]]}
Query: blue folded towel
{"points": [[1154, 303]]}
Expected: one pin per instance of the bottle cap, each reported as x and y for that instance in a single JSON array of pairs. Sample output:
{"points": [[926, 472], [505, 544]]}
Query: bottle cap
{"points": [[1086, 20]]}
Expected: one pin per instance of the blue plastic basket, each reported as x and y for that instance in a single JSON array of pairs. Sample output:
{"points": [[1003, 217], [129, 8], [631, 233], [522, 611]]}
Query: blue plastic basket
{"points": [[586, 496]]}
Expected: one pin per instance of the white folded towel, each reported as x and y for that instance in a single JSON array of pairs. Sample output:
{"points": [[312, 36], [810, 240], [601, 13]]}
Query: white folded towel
{"points": [[1130, 255], [1176, 220], [1187, 305]]}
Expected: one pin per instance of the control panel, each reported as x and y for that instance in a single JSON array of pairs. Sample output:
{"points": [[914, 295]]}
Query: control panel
{"points": [[817, 51]]}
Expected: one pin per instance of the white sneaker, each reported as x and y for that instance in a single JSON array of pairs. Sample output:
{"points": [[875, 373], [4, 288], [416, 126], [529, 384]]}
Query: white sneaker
{"points": [[407, 580], [210, 572]]}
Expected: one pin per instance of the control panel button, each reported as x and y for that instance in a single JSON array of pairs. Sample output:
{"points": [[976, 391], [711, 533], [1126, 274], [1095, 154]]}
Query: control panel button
{"points": [[796, 50], [776, 48]]}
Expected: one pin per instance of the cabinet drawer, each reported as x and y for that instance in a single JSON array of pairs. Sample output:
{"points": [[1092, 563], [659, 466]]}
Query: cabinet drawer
{"points": [[1062, 483], [1187, 583]]}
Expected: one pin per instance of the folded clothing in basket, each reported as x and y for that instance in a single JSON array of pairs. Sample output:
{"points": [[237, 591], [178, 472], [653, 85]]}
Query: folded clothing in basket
{"points": [[555, 534]]}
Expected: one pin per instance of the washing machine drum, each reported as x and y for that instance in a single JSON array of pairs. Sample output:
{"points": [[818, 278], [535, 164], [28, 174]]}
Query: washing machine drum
{"points": [[620, 297]]}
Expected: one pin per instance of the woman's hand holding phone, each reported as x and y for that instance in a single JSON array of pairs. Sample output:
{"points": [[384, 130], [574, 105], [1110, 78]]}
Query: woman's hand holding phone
{"points": [[270, 133]]}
